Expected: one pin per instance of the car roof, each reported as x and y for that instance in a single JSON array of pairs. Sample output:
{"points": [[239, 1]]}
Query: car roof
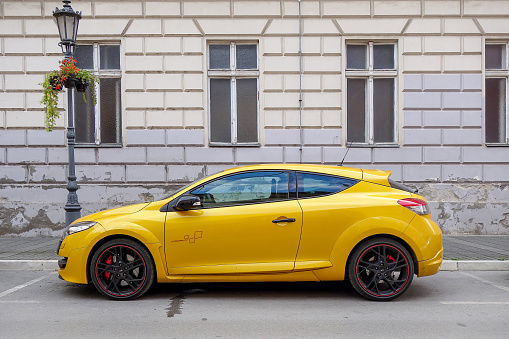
{"points": [[371, 175], [350, 172]]}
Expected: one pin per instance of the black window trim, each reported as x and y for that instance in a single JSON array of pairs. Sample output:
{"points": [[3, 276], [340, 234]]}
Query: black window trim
{"points": [[293, 189]]}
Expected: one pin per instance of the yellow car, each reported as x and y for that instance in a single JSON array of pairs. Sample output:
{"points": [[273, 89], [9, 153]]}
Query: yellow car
{"points": [[282, 222]]}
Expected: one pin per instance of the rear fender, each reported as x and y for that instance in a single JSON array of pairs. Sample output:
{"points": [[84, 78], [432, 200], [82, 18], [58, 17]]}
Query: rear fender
{"points": [[354, 235]]}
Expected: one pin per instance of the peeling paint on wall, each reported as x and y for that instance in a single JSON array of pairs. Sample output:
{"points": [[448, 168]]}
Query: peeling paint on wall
{"points": [[35, 210], [38, 210], [469, 208]]}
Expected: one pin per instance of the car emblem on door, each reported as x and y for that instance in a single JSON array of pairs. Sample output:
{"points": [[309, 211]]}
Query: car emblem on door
{"points": [[197, 235]]}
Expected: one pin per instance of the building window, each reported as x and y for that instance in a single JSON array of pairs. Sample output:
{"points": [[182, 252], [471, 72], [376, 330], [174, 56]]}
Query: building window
{"points": [[99, 124], [371, 92], [233, 93], [497, 75]]}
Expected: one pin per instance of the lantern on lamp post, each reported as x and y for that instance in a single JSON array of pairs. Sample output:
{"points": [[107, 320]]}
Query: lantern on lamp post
{"points": [[67, 23]]}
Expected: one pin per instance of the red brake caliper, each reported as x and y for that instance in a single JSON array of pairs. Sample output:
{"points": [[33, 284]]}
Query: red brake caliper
{"points": [[107, 274], [390, 258]]}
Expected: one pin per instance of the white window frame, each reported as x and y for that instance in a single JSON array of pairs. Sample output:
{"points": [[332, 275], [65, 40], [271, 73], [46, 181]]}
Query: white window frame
{"points": [[498, 74], [233, 74], [370, 74], [97, 107]]}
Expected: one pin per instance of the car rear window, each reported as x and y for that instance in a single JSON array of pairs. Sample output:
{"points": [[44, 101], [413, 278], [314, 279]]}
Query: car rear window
{"points": [[400, 186], [315, 185]]}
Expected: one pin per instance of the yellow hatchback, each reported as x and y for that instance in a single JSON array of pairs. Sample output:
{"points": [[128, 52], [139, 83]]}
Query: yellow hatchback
{"points": [[282, 222]]}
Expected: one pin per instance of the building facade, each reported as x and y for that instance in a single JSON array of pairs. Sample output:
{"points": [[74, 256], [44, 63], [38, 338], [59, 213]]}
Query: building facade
{"points": [[189, 88]]}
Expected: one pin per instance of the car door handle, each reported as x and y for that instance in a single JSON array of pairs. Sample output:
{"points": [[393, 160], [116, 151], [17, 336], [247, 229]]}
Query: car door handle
{"points": [[277, 221]]}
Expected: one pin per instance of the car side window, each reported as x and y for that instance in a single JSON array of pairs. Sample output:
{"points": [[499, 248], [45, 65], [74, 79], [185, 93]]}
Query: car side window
{"points": [[315, 185], [244, 188]]}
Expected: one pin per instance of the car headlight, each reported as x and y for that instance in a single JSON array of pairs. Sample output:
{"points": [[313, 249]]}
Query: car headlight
{"points": [[77, 227]]}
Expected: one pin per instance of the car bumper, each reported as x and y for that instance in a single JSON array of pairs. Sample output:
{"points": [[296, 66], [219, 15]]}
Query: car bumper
{"points": [[74, 267], [431, 266], [75, 250]]}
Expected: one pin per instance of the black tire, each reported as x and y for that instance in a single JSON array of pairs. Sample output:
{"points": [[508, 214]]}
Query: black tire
{"points": [[122, 269], [380, 269]]}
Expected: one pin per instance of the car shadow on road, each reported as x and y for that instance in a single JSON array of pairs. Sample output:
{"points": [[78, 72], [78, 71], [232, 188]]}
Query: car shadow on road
{"points": [[257, 290], [337, 290]]}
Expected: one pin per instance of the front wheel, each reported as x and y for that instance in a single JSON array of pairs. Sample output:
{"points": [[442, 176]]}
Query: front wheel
{"points": [[122, 269], [381, 269]]}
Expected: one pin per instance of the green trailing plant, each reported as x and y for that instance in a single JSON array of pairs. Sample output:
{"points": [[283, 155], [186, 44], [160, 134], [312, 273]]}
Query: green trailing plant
{"points": [[51, 87], [55, 81], [88, 79]]}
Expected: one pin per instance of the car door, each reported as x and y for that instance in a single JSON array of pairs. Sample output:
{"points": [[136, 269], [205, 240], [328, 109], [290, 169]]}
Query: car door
{"points": [[236, 229], [326, 215]]}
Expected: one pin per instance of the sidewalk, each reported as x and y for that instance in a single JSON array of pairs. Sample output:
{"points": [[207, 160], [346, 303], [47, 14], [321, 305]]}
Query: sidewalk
{"points": [[461, 252]]}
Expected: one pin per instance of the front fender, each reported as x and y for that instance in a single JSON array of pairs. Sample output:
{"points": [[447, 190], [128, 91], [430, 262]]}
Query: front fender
{"points": [[354, 235], [150, 238], [76, 248], [134, 231]]}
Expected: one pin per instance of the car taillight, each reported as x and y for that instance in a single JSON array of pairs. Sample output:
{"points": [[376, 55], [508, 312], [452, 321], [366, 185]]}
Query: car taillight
{"points": [[415, 205]]}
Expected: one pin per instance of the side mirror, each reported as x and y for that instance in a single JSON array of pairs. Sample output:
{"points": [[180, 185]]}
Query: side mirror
{"points": [[188, 202]]}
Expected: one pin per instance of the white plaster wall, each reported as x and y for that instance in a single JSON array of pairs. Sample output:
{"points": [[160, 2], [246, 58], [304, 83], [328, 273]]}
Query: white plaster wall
{"points": [[165, 118]]}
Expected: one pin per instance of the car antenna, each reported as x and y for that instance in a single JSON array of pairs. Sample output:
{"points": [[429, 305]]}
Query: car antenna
{"points": [[347, 149]]}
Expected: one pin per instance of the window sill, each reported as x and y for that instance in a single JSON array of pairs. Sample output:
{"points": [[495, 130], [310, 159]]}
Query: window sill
{"points": [[98, 146], [496, 145], [358, 145], [233, 145]]}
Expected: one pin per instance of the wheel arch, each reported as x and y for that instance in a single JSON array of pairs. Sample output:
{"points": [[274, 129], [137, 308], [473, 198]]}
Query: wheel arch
{"points": [[155, 260], [354, 235], [390, 236]]}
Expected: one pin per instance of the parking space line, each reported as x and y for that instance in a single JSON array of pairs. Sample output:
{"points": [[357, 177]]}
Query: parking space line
{"points": [[19, 302], [487, 282], [475, 302], [14, 289]]}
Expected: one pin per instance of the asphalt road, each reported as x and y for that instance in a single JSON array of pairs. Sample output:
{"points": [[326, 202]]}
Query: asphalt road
{"points": [[447, 305]]}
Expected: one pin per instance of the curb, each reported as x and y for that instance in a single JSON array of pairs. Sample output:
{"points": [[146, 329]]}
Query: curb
{"points": [[475, 265], [29, 265], [447, 265]]}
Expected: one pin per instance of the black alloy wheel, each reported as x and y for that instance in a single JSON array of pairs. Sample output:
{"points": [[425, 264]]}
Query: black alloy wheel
{"points": [[122, 269], [381, 269]]}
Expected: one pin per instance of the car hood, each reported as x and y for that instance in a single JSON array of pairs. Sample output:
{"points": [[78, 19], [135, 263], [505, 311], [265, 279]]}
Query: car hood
{"points": [[114, 212]]}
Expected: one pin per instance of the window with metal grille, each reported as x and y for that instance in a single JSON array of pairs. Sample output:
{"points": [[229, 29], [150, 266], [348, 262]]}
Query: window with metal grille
{"points": [[233, 93], [371, 75], [99, 124], [497, 76]]}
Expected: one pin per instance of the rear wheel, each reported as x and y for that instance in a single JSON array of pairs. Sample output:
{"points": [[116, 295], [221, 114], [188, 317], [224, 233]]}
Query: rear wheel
{"points": [[381, 269], [122, 269]]}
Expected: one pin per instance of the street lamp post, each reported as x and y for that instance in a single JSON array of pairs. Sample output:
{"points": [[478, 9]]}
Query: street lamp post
{"points": [[67, 22]]}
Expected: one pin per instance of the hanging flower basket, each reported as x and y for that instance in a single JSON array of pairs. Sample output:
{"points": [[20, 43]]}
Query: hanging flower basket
{"points": [[81, 86], [69, 76]]}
